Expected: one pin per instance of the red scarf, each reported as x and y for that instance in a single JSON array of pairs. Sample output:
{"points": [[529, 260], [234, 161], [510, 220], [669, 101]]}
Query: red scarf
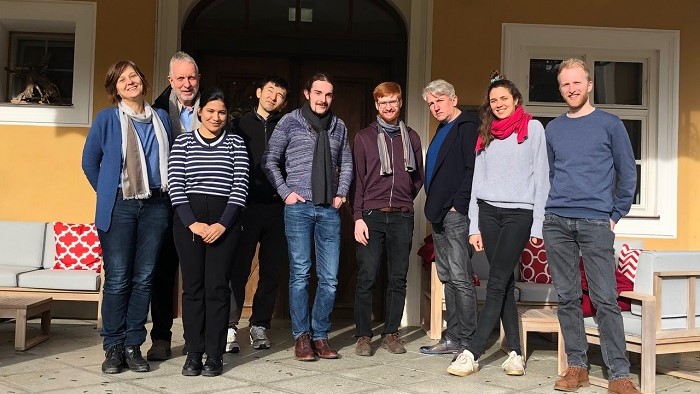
{"points": [[503, 128]]}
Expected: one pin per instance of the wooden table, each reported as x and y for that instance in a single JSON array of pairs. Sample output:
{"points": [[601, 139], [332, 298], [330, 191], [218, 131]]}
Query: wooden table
{"points": [[540, 320], [21, 307]]}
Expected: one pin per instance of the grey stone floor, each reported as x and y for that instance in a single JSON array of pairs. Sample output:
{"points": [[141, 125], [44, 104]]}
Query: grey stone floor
{"points": [[70, 362]]}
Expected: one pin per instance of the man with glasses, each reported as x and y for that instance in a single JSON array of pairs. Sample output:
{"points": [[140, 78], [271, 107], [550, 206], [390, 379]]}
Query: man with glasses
{"points": [[388, 166]]}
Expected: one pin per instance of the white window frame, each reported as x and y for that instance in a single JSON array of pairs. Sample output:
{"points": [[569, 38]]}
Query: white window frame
{"points": [[74, 17], [659, 51]]}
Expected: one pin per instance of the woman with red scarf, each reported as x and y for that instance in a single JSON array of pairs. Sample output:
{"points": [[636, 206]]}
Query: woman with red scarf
{"points": [[509, 191]]}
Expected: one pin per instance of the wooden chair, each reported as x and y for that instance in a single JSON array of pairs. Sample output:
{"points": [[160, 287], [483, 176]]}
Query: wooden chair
{"points": [[664, 317]]}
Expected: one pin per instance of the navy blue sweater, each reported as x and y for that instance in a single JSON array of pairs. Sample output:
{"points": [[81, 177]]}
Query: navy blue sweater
{"points": [[592, 171]]}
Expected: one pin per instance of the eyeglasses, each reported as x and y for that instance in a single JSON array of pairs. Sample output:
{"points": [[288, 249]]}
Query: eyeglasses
{"points": [[392, 103]]}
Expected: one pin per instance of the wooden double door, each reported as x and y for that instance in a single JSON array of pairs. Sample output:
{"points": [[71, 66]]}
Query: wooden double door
{"points": [[355, 80]]}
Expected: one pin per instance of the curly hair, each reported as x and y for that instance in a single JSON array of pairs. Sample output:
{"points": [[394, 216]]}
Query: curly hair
{"points": [[485, 114]]}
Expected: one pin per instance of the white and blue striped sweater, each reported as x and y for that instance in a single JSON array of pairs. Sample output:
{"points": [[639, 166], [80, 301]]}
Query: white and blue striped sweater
{"points": [[219, 168]]}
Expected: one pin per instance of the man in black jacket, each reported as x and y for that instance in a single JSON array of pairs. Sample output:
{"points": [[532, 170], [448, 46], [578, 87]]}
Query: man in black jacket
{"points": [[449, 168], [262, 220], [181, 101]]}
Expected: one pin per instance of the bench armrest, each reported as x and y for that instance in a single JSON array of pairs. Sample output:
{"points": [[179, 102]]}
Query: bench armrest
{"points": [[638, 296]]}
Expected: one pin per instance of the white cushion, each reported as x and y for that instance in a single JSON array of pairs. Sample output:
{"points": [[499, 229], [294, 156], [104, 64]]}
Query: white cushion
{"points": [[537, 292], [481, 292], [8, 274], [22, 243], [60, 280]]}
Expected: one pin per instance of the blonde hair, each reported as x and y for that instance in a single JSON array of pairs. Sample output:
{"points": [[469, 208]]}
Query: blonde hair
{"points": [[573, 63]]}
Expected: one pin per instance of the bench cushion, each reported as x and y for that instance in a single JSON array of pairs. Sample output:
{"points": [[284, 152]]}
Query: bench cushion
{"points": [[537, 292], [481, 292], [8, 274], [633, 323], [674, 292], [22, 243], [60, 280]]}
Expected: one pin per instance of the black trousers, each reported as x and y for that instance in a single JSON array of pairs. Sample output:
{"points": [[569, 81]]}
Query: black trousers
{"points": [[163, 289], [391, 232], [504, 233], [264, 224], [205, 272]]}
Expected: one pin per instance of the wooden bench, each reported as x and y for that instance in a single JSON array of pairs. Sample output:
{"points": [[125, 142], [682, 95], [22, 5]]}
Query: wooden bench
{"points": [[22, 307]]}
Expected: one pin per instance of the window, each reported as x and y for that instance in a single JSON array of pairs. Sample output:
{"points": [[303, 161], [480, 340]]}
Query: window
{"points": [[55, 40], [635, 76], [45, 55]]}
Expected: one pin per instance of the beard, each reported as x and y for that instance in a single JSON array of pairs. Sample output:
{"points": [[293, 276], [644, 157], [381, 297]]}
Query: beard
{"points": [[583, 99]]}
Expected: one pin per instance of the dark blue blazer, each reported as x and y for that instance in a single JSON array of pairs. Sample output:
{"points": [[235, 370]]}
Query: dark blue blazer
{"points": [[451, 184]]}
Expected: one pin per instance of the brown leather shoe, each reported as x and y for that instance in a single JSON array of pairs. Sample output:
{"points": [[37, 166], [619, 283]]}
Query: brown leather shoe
{"points": [[363, 347], [323, 350], [392, 343], [573, 378], [622, 386], [302, 348]]}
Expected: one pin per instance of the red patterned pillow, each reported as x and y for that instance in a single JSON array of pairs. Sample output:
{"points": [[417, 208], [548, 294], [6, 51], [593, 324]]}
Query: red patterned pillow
{"points": [[533, 264], [77, 247], [628, 261]]}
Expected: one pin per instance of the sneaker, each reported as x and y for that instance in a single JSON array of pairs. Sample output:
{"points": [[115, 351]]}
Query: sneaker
{"points": [[622, 386], [231, 343], [514, 365], [159, 351], [393, 344], [363, 347], [573, 378], [258, 338], [464, 364]]}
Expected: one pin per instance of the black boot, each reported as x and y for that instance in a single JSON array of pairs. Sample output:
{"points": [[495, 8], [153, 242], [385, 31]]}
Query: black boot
{"points": [[134, 359], [114, 359], [193, 364], [214, 366]]}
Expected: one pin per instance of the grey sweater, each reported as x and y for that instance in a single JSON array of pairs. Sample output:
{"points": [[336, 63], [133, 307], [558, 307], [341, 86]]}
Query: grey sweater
{"points": [[293, 142], [512, 175]]}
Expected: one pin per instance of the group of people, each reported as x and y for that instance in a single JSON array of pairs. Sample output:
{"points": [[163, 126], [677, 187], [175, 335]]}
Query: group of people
{"points": [[181, 177]]}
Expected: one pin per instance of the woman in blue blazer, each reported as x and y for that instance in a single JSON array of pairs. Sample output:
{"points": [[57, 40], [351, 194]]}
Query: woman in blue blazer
{"points": [[125, 160]]}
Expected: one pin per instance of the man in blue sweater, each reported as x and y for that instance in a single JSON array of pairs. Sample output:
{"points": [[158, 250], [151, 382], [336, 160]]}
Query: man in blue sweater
{"points": [[308, 162], [593, 180]]}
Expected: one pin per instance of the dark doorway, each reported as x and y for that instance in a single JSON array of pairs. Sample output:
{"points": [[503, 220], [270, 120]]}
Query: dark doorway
{"points": [[359, 42]]}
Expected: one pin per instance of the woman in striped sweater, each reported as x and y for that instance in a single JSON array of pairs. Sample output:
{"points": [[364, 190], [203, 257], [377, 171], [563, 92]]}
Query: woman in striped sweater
{"points": [[208, 177]]}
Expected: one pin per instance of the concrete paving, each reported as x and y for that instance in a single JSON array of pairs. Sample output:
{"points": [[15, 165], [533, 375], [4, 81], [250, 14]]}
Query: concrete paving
{"points": [[69, 362]]}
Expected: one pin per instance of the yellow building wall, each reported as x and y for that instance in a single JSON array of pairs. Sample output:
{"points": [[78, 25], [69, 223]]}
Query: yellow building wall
{"points": [[40, 174], [467, 46]]}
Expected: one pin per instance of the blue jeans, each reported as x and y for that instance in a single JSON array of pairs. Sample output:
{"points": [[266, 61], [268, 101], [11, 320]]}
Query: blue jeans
{"points": [[130, 250], [454, 269], [390, 232], [306, 224], [564, 239]]}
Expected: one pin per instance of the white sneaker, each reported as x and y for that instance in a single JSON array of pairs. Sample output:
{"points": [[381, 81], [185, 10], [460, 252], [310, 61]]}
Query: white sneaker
{"points": [[464, 364], [231, 343], [514, 365]]}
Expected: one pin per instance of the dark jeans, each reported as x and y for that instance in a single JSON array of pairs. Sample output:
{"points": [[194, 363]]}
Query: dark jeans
{"points": [[564, 239], [504, 233], [264, 224], [205, 272], [130, 250], [391, 232], [163, 288], [454, 269]]}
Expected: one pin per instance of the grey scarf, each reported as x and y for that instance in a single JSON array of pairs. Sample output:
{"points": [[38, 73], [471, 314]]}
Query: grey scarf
{"points": [[134, 174], [409, 158], [321, 168]]}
